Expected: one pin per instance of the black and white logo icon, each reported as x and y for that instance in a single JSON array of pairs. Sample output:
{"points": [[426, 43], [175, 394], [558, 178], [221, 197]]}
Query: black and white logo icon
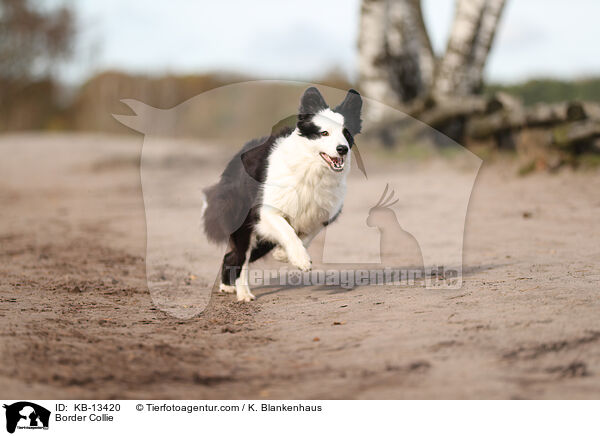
{"points": [[26, 415]]}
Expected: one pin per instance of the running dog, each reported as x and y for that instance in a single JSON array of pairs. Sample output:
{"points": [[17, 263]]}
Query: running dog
{"points": [[280, 191]]}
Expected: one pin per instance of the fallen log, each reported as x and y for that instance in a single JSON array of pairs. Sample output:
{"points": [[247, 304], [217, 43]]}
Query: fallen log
{"points": [[502, 101], [543, 114], [446, 110], [589, 110], [575, 132], [548, 134], [484, 126]]}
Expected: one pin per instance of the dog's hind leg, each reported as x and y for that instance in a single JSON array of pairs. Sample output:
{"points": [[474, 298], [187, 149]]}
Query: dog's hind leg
{"points": [[241, 284], [234, 260], [228, 273], [234, 273]]}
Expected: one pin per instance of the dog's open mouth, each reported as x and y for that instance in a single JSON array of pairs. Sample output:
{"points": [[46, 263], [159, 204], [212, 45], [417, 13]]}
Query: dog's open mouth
{"points": [[335, 163]]}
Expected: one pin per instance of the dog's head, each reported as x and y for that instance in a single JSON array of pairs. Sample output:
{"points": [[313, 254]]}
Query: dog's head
{"points": [[329, 132]]}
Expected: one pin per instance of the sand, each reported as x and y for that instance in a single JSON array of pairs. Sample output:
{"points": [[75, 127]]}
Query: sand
{"points": [[77, 320]]}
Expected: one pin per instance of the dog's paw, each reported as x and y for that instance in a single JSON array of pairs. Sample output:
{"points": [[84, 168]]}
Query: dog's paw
{"points": [[228, 289], [300, 259], [279, 254], [244, 294]]}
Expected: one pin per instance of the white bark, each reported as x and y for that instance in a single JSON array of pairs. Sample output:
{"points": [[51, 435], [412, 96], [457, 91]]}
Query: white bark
{"points": [[396, 61], [373, 75], [410, 56], [461, 70]]}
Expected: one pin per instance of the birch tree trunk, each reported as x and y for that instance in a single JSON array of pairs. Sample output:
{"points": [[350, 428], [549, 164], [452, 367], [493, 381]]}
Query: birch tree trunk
{"points": [[396, 61], [373, 75], [410, 57], [397, 64], [460, 72]]}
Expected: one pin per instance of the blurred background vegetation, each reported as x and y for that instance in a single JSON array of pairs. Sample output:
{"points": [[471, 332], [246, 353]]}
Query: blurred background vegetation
{"points": [[551, 90], [35, 40], [45, 104], [37, 37]]}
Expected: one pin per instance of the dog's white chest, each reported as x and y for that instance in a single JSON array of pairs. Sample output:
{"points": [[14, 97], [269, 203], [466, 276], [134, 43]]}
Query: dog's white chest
{"points": [[304, 192], [313, 207]]}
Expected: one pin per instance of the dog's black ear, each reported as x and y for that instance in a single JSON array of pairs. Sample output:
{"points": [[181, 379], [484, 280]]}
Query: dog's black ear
{"points": [[312, 102], [350, 108]]}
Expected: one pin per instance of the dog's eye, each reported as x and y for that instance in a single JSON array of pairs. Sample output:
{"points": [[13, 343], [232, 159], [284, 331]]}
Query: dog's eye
{"points": [[325, 133]]}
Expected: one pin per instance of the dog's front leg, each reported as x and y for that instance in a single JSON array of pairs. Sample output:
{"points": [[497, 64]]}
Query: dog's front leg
{"points": [[280, 254], [274, 227]]}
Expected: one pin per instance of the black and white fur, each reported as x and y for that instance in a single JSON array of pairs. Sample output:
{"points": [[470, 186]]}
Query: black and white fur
{"points": [[280, 191]]}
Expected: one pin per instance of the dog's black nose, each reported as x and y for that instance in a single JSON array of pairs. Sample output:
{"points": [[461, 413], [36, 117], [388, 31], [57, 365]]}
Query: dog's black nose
{"points": [[342, 149]]}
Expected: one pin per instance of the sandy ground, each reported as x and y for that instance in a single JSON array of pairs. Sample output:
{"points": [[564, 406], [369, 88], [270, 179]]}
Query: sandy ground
{"points": [[77, 320]]}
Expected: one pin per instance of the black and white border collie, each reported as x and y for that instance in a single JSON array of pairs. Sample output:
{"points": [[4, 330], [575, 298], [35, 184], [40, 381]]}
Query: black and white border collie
{"points": [[280, 191]]}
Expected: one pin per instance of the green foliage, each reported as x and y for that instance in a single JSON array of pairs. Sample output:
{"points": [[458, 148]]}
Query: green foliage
{"points": [[551, 90]]}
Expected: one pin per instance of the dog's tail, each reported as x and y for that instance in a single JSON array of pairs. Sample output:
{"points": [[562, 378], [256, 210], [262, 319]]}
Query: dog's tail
{"points": [[213, 213]]}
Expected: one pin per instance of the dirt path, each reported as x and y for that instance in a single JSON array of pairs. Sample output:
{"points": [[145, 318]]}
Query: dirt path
{"points": [[77, 321]]}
